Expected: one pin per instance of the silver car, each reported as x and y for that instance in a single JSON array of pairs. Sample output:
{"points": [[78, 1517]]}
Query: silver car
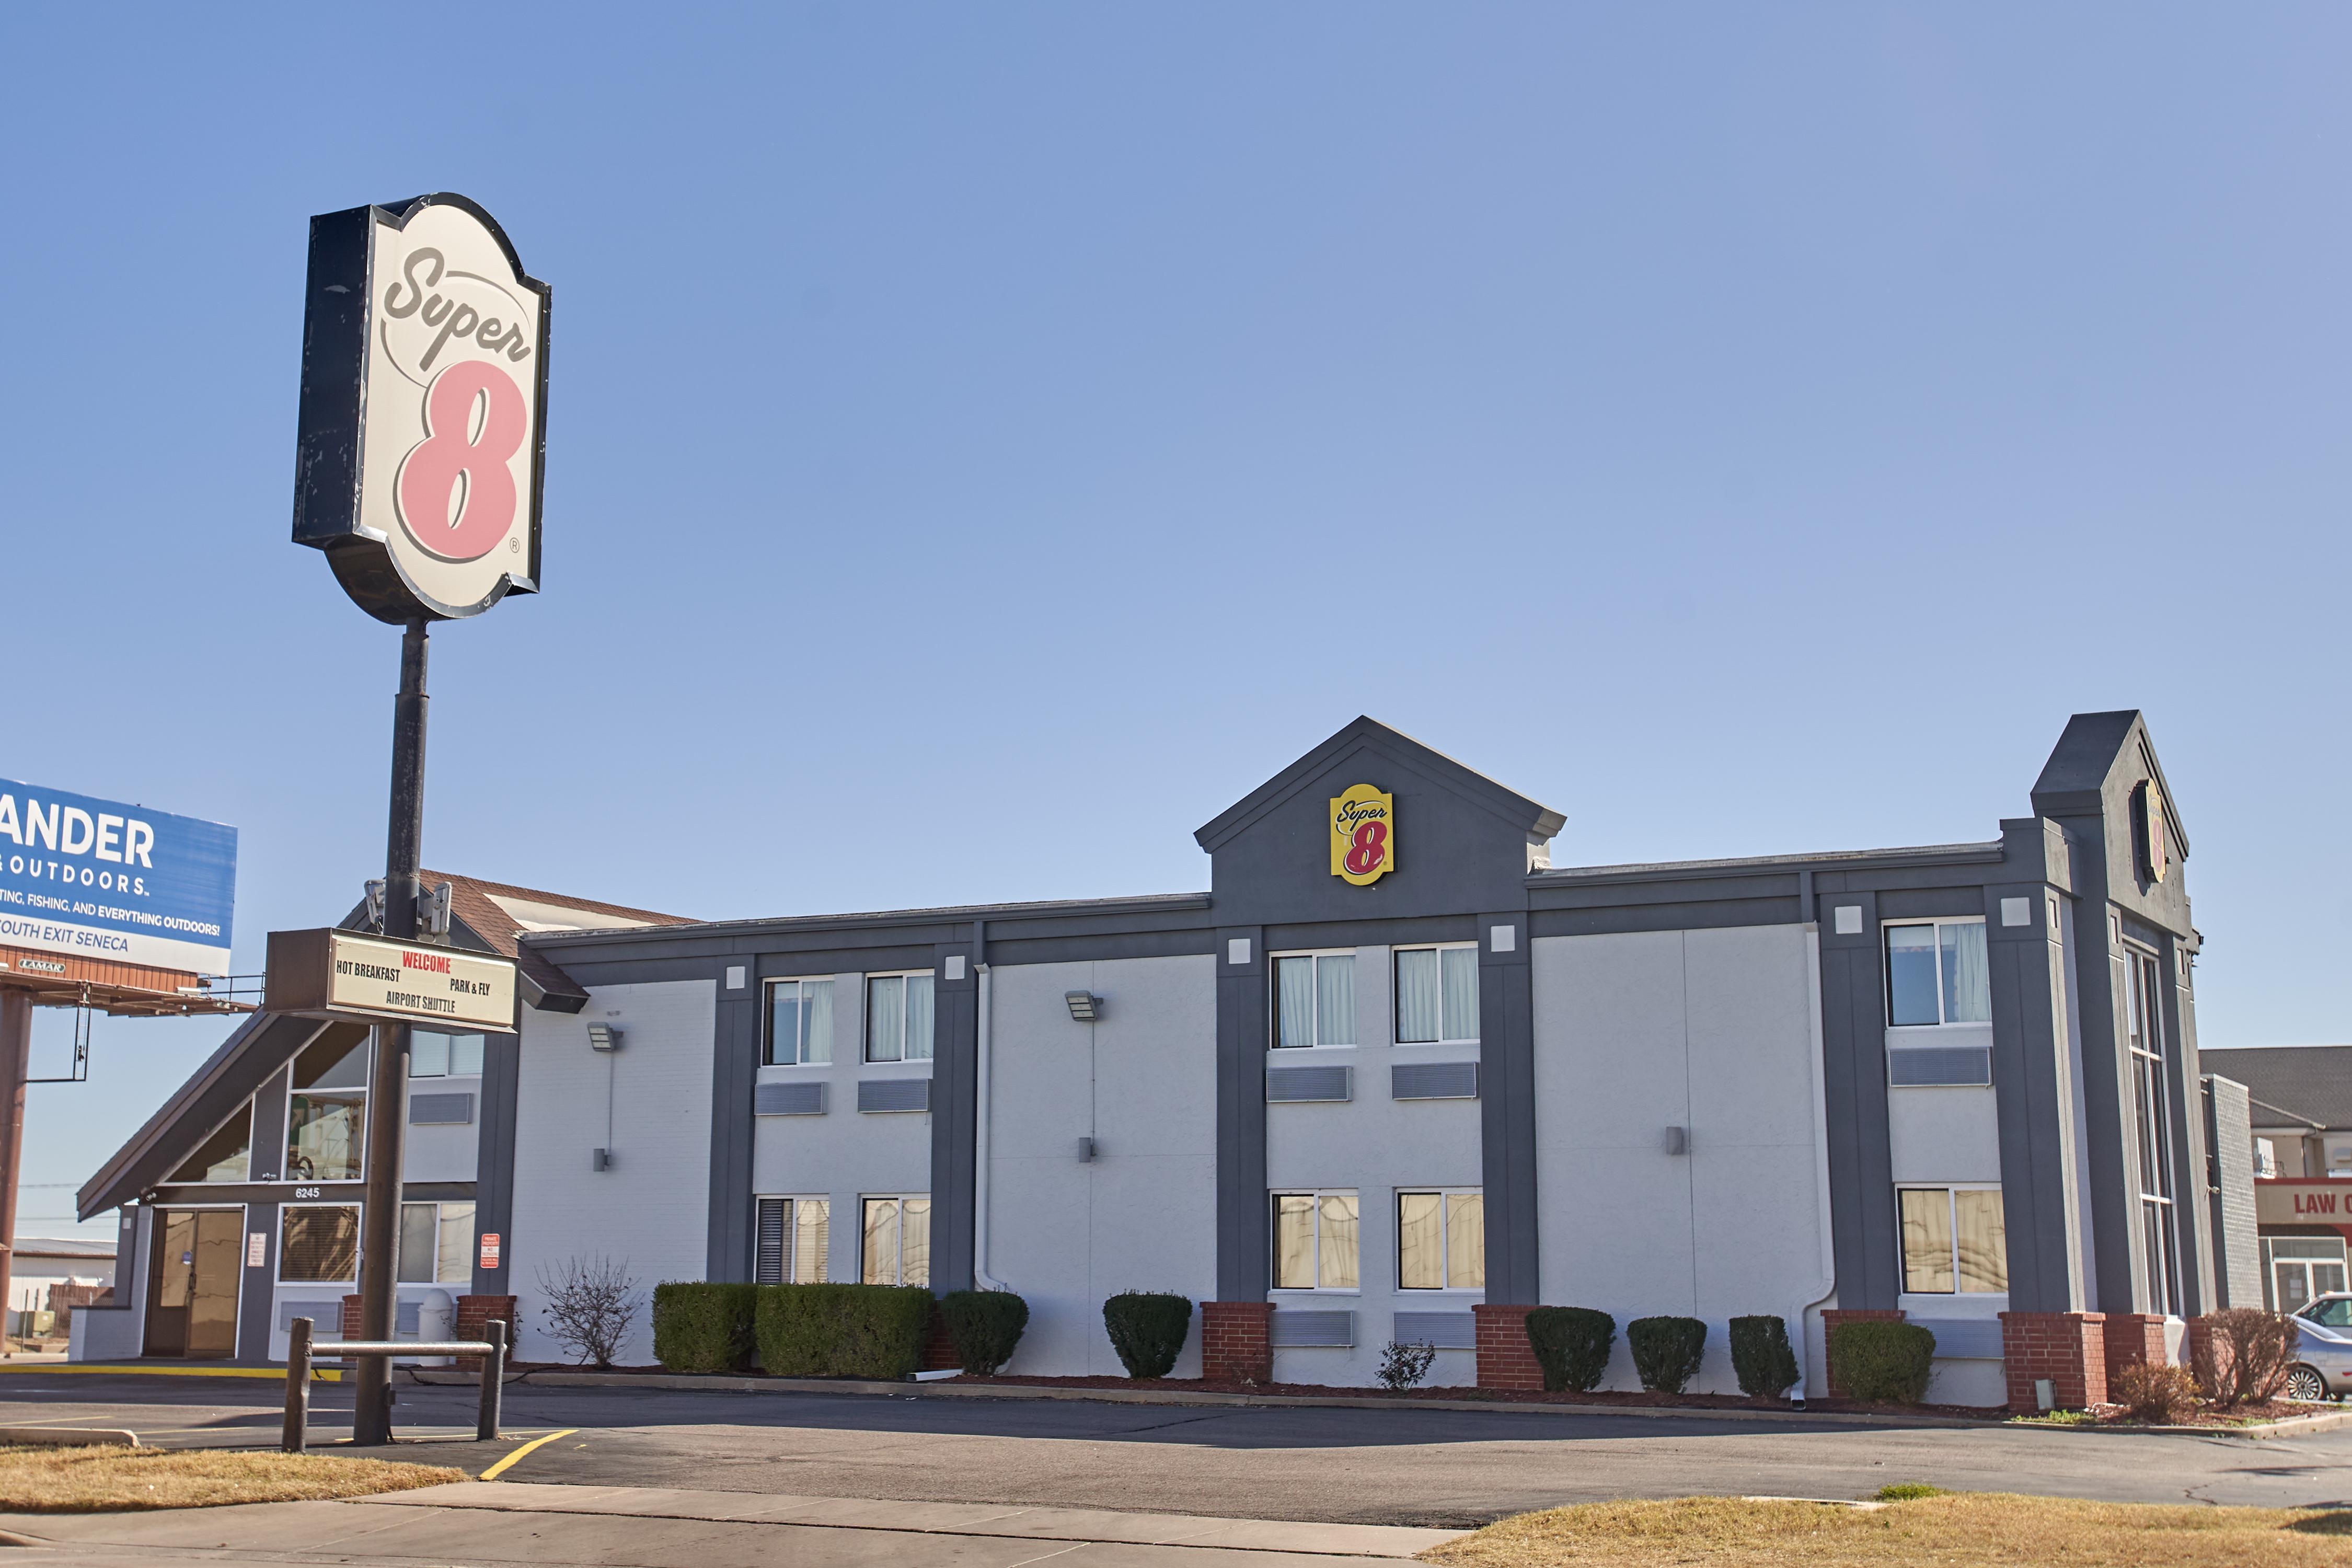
{"points": [[2322, 1366]]}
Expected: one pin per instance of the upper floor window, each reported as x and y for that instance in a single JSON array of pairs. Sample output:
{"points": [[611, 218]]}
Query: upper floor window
{"points": [[226, 1155], [899, 1018], [800, 1021], [1315, 999], [326, 1115], [433, 1055], [1437, 994], [1315, 1241], [1936, 974]]}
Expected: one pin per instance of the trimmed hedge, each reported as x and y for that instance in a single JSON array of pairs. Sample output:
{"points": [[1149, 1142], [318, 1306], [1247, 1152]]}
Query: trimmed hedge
{"points": [[1761, 1357], [1667, 1351], [1571, 1345], [1148, 1329], [985, 1326], [704, 1327], [842, 1331], [1878, 1359]]}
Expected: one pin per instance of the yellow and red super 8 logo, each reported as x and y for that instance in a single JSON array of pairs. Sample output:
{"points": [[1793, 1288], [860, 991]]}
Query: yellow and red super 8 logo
{"points": [[1364, 835]]}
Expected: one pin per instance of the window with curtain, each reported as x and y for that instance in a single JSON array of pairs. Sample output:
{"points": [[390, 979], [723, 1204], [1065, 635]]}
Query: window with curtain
{"points": [[1955, 1240], [1442, 1240], [437, 1242], [432, 1054], [1315, 1241], [1315, 999], [897, 1241], [1937, 973], [800, 1021], [793, 1234], [326, 1114], [899, 1018], [1437, 994]]}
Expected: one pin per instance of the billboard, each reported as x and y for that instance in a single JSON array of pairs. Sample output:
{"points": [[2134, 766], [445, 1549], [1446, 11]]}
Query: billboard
{"points": [[124, 884], [423, 400]]}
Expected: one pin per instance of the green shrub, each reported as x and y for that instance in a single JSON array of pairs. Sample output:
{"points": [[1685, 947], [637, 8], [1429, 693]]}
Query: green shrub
{"points": [[1148, 1330], [1571, 1345], [842, 1331], [985, 1326], [1908, 1491], [700, 1327], [1667, 1351], [1761, 1358], [1878, 1359]]}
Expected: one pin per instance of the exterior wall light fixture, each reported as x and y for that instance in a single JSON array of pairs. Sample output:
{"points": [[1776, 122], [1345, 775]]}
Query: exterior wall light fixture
{"points": [[603, 1038], [1084, 1005]]}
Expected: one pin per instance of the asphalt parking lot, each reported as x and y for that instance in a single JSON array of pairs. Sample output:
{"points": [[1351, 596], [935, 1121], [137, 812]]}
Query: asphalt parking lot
{"points": [[1372, 1466]]}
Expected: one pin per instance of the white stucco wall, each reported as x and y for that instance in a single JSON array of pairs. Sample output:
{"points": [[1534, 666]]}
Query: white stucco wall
{"points": [[1377, 1146], [1141, 1215], [1715, 1031], [845, 1155], [652, 1207]]}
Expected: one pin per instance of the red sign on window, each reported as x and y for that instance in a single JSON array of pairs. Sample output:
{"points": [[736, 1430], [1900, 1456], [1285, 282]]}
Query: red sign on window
{"points": [[490, 1250]]}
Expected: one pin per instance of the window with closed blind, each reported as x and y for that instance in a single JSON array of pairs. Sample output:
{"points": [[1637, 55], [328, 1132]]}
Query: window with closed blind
{"points": [[319, 1243], [793, 1235]]}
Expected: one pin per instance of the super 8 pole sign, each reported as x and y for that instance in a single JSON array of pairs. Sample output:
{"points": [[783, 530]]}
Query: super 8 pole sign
{"points": [[423, 438]]}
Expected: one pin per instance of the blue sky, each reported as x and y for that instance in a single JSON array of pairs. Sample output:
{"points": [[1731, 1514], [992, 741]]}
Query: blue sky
{"points": [[985, 441]]}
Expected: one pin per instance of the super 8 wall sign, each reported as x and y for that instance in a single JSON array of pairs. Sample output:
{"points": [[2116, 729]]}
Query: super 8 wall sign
{"points": [[423, 400], [1364, 835]]}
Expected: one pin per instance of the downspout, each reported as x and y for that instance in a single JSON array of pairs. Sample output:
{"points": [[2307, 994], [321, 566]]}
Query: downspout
{"points": [[980, 1278], [1826, 1279]]}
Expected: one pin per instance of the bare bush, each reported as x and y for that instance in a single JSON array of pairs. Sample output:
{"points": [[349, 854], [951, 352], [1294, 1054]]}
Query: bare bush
{"points": [[2243, 1355], [589, 1306], [2163, 1395], [1404, 1366]]}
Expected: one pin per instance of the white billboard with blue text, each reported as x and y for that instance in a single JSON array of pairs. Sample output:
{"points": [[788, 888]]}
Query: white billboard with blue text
{"points": [[123, 884]]}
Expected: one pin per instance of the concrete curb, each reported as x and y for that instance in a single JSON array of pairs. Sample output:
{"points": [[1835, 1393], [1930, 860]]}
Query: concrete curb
{"points": [[67, 1437]]}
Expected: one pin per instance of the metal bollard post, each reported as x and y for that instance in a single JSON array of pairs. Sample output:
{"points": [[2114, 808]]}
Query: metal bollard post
{"points": [[494, 1374], [298, 1388]]}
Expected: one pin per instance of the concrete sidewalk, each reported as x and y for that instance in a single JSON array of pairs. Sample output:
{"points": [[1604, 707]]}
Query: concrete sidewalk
{"points": [[645, 1527]]}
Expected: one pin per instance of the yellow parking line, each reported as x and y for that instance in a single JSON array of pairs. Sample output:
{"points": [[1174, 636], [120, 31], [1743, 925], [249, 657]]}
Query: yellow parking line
{"points": [[277, 1374], [499, 1469]]}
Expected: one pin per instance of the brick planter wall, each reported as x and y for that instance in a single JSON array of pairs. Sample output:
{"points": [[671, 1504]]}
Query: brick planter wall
{"points": [[2068, 1348], [1835, 1316], [1505, 1359], [2133, 1338], [939, 1346], [350, 1323], [474, 1314], [1237, 1341]]}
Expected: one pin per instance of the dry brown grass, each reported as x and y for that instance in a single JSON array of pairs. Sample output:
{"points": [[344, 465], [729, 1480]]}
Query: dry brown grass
{"points": [[90, 1480], [1978, 1530]]}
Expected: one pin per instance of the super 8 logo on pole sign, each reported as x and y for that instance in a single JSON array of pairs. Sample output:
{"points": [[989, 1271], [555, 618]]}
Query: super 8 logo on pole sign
{"points": [[1364, 835], [423, 391]]}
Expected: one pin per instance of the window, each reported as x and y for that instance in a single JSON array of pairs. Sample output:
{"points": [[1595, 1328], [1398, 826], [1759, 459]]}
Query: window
{"points": [[793, 1232], [437, 1242], [1442, 1240], [1954, 1239], [326, 1116], [225, 1155], [2303, 1268], [800, 1021], [319, 1243], [897, 1241], [1314, 1241], [1437, 994], [2144, 1026], [899, 1018], [2265, 1159], [1315, 999], [434, 1055], [1936, 974]]}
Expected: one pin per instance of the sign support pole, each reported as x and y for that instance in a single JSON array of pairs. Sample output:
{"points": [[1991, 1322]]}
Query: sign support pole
{"points": [[15, 1064], [387, 1130]]}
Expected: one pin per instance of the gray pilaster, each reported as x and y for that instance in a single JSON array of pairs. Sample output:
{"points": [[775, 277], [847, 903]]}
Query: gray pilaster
{"points": [[494, 1159], [268, 1160], [2033, 1079], [258, 1292], [2190, 1182], [1866, 1241], [734, 1069], [1242, 1242], [1506, 1110], [955, 1106]]}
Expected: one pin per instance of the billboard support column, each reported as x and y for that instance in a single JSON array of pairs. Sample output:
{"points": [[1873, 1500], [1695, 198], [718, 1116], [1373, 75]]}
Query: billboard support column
{"points": [[15, 1064], [388, 1095]]}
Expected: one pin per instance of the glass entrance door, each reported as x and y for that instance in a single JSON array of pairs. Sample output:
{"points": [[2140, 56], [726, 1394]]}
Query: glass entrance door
{"points": [[192, 1291]]}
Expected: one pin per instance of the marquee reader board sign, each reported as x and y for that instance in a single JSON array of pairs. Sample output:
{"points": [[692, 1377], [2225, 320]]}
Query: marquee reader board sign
{"points": [[424, 409], [1364, 835], [352, 975], [100, 880]]}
